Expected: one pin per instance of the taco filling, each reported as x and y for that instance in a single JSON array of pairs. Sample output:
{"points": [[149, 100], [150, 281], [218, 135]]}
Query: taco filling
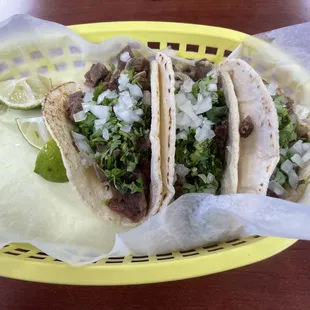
{"points": [[286, 181], [112, 125], [201, 129]]}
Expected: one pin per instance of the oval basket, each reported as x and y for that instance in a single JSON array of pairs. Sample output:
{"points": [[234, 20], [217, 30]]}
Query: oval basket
{"points": [[23, 261]]}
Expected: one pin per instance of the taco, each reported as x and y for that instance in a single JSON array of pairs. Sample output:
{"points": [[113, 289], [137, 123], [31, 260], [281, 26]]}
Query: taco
{"points": [[109, 136], [275, 159], [199, 128]]}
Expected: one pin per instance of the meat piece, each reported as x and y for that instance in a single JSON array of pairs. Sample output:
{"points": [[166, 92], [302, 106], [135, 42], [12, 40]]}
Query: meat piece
{"points": [[139, 64], [178, 187], [145, 172], [74, 104], [113, 83], [96, 73], [108, 77], [99, 173], [191, 71], [271, 194], [123, 57], [142, 80], [221, 132], [246, 127], [203, 67], [290, 105], [133, 206]]}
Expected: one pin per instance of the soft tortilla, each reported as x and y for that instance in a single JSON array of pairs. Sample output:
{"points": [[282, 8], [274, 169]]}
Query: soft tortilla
{"points": [[259, 153], [167, 125], [85, 181], [168, 130], [229, 184]]}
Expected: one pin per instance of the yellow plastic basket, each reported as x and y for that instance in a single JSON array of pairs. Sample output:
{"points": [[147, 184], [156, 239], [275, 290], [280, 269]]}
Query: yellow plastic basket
{"points": [[23, 261]]}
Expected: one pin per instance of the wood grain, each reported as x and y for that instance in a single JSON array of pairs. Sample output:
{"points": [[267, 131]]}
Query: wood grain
{"points": [[281, 282]]}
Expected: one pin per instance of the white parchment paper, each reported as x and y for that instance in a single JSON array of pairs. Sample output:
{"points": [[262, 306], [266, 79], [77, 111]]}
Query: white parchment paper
{"points": [[52, 218]]}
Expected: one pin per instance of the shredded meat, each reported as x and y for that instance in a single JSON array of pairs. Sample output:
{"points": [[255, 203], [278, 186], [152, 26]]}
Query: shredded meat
{"points": [[203, 67], [96, 73], [122, 64], [221, 132], [246, 127], [74, 104]]}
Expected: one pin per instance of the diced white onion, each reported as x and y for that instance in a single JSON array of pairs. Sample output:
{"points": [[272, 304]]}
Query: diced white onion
{"points": [[126, 128], [125, 100], [187, 84], [297, 148], [298, 160], [99, 123], [81, 143], [105, 134], [293, 179], [87, 160], [87, 105], [287, 166], [283, 151], [107, 94], [100, 111], [272, 89], [79, 116], [203, 104], [123, 82], [138, 112], [306, 157], [203, 134], [125, 57], [210, 178], [305, 147], [214, 74], [181, 170], [181, 135], [191, 98], [212, 87], [301, 111], [135, 90], [276, 188], [88, 96]]}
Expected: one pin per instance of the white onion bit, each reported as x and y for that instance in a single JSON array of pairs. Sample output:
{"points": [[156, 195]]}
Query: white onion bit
{"points": [[287, 166], [298, 160], [79, 116], [276, 188]]}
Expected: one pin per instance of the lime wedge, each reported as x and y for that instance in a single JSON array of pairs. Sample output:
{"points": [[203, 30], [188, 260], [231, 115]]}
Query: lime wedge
{"points": [[26, 93], [34, 131], [49, 163]]}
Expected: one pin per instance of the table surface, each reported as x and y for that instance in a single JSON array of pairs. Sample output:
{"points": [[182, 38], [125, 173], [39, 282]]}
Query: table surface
{"points": [[280, 282]]}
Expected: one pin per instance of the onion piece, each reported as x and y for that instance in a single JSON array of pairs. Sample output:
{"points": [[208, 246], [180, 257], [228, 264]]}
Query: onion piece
{"points": [[272, 89], [125, 57], [203, 104], [276, 188], [212, 87], [305, 147], [187, 85], [301, 111], [210, 178], [126, 128], [105, 134], [87, 105], [99, 123], [306, 157], [297, 148], [135, 90], [293, 179], [86, 153], [88, 96], [79, 116], [182, 135], [147, 98], [298, 160], [287, 166], [107, 94], [123, 82], [101, 111], [283, 151], [181, 170]]}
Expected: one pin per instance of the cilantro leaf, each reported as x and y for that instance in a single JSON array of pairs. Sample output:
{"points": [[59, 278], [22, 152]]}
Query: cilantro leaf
{"points": [[86, 127], [98, 90]]}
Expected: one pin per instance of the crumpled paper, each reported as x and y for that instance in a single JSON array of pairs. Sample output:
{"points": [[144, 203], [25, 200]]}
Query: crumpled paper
{"points": [[52, 218]]}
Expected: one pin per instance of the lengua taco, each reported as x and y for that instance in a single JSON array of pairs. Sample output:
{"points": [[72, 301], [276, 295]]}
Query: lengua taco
{"points": [[109, 136], [199, 128], [275, 159]]}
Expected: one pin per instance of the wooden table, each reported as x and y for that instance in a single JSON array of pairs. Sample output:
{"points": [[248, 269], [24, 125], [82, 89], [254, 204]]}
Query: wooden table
{"points": [[281, 282]]}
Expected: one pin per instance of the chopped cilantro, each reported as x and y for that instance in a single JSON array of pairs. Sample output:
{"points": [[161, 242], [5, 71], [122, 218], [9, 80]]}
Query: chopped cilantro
{"points": [[98, 90]]}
